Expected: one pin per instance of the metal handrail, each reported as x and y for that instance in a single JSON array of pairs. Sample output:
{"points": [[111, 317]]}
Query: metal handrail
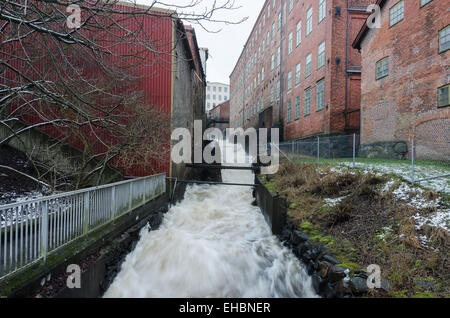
{"points": [[35, 228]]}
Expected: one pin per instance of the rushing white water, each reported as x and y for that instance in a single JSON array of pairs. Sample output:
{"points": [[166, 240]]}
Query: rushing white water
{"points": [[212, 244]]}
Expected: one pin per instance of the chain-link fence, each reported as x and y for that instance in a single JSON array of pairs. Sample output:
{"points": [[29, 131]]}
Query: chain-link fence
{"points": [[400, 158]]}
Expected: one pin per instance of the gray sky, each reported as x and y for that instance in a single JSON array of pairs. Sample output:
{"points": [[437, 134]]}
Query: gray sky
{"points": [[225, 46]]}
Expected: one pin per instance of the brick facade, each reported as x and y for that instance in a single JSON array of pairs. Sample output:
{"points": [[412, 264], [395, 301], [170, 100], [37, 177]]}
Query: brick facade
{"points": [[222, 113], [341, 77], [405, 102]]}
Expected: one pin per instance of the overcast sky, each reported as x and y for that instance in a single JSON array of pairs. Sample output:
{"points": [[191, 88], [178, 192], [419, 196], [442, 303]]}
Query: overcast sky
{"points": [[226, 45]]}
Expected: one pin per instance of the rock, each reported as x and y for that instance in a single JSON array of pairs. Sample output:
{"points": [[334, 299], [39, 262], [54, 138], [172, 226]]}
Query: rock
{"points": [[330, 259], [425, 284], [336, 273], [316, 282], [310, 267], [362, 274], [329, 292], [298, 237], [359, 285], [303, 248], [324, 267]]}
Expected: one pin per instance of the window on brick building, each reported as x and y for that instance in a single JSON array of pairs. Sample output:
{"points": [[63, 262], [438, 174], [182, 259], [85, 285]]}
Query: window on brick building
{"points": [[290, 43], [309, 21], [322, 9], [307, 101], [444, 39], [289, 112], [262, 74], [424, 2], [297, 74], [279, 20], [297, 108], [291, 5], [396, 13], [279, 56], [299, 33], [273, 30], [444, 96], [274, 3], [382, 68], [271, 94], [308, 65], [272, 62], [277, 96], [289, 81], [320, 95], [268, 11], [268, 38], [321, 55]]}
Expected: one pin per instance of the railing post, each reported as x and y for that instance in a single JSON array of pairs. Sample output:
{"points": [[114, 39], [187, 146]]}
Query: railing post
{"points": [[130, 206], [86, 212], [354, 150], [318, 150], [113, 203], [44, 231], [144, 197]]}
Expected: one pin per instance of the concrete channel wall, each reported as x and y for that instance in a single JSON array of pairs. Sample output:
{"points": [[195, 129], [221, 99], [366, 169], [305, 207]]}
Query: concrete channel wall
{"points": [[64, 158]]}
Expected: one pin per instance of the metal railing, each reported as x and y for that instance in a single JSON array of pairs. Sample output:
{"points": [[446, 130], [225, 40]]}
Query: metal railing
{"points": [[345, 149], [31, 230]]}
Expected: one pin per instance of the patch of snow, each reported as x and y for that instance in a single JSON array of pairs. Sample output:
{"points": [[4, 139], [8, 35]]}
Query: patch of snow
{"points": [[334, 202], [439, 219], [404, 170], [414, 197]]}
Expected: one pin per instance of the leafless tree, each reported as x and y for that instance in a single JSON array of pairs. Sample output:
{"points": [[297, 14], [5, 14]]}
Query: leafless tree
{"points": [[79, 81]]}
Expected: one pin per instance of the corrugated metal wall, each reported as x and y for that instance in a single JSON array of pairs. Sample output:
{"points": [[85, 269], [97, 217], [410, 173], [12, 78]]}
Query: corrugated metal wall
{"points": [[152, 76]]}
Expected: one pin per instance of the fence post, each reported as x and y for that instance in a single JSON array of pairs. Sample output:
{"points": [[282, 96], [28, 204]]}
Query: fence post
{"points": [[130, 206], [144, 197], [86, 212], [113, 202], [354, 150], [318, 150], [44, 231], [412, 160]]}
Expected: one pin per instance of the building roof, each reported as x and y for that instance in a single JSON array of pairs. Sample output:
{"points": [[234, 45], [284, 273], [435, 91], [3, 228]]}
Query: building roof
{"points": [[365, 28]]}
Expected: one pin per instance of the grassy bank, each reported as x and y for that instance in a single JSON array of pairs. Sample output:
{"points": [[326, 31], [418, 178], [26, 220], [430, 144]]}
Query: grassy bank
{"points": [[366, 218]]}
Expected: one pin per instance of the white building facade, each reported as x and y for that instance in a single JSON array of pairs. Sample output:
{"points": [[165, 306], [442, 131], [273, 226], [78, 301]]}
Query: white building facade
{"points": [[216, 94]]}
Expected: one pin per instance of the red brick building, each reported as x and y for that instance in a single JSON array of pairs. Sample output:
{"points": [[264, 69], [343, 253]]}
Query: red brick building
{"points": [[220, 116], [312, 72], [405, 78]]}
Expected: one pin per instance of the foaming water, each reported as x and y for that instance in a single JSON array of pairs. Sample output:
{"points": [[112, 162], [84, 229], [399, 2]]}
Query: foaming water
{"points": [[212, 244]]}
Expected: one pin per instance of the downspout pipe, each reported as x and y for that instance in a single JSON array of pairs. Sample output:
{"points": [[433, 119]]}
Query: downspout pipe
{"points": [[280, 108], [346, 65]]}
